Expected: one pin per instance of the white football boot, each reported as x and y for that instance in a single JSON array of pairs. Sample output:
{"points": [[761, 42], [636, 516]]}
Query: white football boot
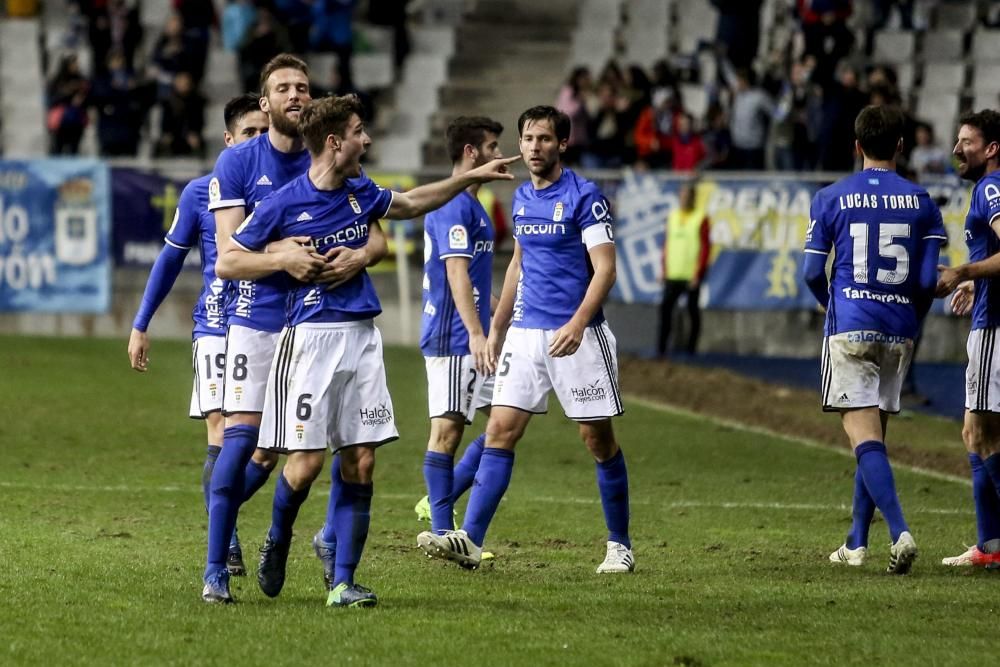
{"points": [[619, 559], [845, 556]]}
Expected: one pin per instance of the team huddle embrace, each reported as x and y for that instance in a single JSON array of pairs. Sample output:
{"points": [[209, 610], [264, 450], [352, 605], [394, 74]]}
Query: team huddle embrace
{"points": [[287, 358]]}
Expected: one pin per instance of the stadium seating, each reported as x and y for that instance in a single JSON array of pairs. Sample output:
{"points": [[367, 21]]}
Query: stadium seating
{"points": [[894, 46], [22, 106]]}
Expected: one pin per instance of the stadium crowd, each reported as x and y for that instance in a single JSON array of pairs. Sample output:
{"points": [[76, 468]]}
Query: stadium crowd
{"points": [[794, 111], [132, 72]]}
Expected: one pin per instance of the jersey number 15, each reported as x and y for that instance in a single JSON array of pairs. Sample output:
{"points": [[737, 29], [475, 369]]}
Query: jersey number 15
{"points": [[888, 232]]}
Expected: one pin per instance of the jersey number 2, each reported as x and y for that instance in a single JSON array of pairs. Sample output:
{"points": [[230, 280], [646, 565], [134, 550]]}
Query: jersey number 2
{"points": [[888, 232]]}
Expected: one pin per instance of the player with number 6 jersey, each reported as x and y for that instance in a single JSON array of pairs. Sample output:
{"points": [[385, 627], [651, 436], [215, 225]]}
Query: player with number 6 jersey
{"points": [[885, 233]]}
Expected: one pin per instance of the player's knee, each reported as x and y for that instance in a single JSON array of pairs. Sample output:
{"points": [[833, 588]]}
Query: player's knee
{"points": [[302, 468], [357, 464], [243, 419], [265, 458], [445, 437], [502, 435], [599, 442]]}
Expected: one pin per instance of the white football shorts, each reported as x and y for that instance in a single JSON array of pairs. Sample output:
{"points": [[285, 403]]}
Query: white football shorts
{"points": [[208, 359], [454, 387], [864, 369], [327, 388], [248, 359], [982, 375], [586, 382]]}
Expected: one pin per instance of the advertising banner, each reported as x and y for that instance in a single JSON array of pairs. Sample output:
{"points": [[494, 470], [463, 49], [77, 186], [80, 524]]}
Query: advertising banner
{"points": [[143, 205], [55, 226]]}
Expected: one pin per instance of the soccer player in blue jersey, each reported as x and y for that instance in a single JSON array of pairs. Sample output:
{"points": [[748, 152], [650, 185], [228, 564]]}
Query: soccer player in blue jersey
{"points": [[194, 225], [326, 386], [886, 234], [978, 152], [458, 273], [549, 334]]}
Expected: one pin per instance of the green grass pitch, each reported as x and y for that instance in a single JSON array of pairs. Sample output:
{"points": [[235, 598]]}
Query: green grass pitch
{"points": [[102, 533]]}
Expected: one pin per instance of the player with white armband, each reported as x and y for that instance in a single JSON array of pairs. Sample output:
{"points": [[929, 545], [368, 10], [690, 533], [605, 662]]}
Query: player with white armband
{"points": [[549, 334]]}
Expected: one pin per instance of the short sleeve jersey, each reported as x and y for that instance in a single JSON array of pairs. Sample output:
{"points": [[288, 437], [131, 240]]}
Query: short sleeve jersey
{"points": [[194, 225], [983, 243], [555, 265], [244, 175], [331, 218], [879, 226], [460, 228]]}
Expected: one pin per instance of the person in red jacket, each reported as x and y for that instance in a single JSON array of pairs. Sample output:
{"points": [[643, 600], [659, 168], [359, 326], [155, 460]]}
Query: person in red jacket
{"points": [[686, 147]]}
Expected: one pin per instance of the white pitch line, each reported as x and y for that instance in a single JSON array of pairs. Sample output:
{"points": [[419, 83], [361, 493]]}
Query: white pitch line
{"points": [[804, 442], [547, 500]]}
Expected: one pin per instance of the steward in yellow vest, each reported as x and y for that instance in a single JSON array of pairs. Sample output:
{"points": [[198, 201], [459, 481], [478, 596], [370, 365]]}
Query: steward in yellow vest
{"points": [[686, 250]]}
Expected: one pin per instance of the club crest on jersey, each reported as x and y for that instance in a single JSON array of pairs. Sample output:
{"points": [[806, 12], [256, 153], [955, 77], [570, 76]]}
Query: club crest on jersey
{"points": [[355, 206], [300, 432], [557, 214], [458, 238], [214, 192], [238, 393], [212, 388]]}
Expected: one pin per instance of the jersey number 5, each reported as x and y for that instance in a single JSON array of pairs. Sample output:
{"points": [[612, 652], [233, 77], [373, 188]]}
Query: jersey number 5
{"points": [[888, 232]]}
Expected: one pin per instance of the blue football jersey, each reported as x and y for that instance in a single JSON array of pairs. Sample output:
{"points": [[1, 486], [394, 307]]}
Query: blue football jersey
{"points": [[331, 218], [460, 228], [878, 225], [194, 224], [555, 265], [983, 242], [244, 175]]}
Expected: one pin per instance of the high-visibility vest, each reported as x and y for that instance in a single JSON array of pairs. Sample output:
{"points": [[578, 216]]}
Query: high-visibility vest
{"points": [[682, 245]]}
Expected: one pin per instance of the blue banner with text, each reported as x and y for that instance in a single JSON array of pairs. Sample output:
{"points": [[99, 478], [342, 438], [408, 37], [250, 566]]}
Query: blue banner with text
{"points": [[55, 228]]}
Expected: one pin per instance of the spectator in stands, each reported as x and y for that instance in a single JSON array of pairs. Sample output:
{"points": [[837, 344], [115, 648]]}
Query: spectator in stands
{"points": [[392, 14], [183, 119], [198, 18], [750, 117], [686, 147], [842, 102], [172, 54], [337, 86], [121, 102], [266, 39], [574, 98], [686, 251], [826, 35], [67, 106], [927, 156], [112, 25], [332, 31], [606, 131], [798, 104], [297, 17], [655, 128], [238, 19], [717, 139], [737, 31]]}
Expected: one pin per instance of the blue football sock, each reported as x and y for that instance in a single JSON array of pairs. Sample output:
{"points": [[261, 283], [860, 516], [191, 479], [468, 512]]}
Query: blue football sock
{"points": [[353, 518], [254, 477], [863, 511], [465, 471], [206, 473], [612, 481], [287, 502], [987, 503], [495, 469], [877, 473], [329, 531], [227, 492], [439, 476]]}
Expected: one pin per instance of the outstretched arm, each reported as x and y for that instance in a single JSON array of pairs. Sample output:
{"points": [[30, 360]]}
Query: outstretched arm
{"points": [[424, 198]]}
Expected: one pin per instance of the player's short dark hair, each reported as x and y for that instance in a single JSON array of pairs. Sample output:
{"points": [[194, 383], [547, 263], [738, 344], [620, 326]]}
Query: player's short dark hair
{"points": [[238, 107], [281, 61], [325, 116], [468, 130], [560, 121], [986, 121], [879, 129]]}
